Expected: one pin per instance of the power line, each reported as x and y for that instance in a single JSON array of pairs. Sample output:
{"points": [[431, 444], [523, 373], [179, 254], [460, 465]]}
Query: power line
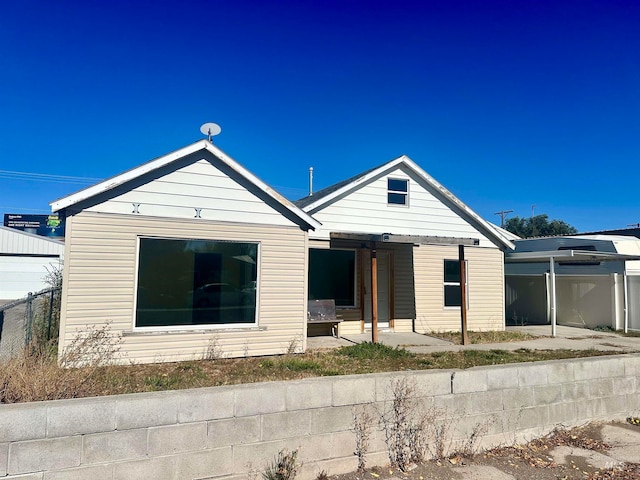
{"points": [[46, 177]]}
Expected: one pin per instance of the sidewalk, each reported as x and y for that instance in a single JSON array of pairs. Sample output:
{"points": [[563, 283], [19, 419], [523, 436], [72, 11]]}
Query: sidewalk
{"points": [[568, 338]]}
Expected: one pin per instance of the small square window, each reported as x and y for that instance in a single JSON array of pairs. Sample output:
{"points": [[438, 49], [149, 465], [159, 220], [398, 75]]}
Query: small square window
{"points": [[397, 191], [452, 285]]}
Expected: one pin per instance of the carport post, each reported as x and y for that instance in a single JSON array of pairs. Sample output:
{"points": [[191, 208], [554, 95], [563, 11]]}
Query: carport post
{"points": [[625, 293], [374, 294], [552, 281]]}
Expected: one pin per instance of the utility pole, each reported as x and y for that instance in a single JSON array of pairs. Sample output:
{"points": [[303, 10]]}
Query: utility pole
{"points": [[533, 209], [503, 213]]}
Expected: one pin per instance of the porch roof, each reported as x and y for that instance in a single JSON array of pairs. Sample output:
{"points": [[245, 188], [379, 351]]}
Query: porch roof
{"points": [[393, 238]]}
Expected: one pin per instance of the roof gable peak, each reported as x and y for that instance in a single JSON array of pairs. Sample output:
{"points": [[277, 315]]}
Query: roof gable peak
{"points": [[170, 158], [327, 196]]}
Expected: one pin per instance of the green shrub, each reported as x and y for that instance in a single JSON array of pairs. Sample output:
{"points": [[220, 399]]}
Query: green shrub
{"points": [[299, 365], [374, 351]]}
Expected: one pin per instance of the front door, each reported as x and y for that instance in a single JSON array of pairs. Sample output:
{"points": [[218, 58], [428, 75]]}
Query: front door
{"points": [[383, 289]]}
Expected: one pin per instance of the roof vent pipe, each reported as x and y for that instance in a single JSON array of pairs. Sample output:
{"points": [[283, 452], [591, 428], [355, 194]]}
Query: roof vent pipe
{"points": [[310, 181]]}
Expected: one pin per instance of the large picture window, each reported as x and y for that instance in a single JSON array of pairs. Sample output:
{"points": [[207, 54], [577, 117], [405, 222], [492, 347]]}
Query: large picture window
{"points": [[196, 282], [452, 290], [332, 275]]}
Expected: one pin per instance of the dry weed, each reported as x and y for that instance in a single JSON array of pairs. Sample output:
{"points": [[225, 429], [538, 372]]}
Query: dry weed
{"points": [[405, 424], [37, 375], [470, 445], [214, 349], [284, 467], [363, 420]]}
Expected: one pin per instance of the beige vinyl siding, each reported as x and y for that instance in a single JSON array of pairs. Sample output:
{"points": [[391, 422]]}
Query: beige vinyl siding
{"points": [[351, 325], [404, 292], [485, 289], [200, 185], [365, 210], [100, 285]]}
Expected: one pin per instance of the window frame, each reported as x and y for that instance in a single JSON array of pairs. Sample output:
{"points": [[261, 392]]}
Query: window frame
{"points": [[355, 274], [204, 326], [391, 191], [458, 283]]}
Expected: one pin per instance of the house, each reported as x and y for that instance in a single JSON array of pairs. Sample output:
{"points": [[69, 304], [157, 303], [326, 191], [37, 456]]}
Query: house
{"points": [[25, 259], [191, 255], [401, 220], [187, 254], [580, 281]]}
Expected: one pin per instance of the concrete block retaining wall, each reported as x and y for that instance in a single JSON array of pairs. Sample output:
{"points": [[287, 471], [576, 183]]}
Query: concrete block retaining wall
{"points": [[229, 431]]}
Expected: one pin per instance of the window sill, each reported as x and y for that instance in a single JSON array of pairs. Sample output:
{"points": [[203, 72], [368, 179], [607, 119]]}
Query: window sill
{"points": [[186, 331]]}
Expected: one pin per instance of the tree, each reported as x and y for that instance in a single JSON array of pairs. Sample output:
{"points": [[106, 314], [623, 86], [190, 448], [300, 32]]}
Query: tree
{"points": [[538, 226]]}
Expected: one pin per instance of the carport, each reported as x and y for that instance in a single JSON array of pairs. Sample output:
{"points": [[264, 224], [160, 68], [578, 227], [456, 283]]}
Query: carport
{"points": [[575, 257]]}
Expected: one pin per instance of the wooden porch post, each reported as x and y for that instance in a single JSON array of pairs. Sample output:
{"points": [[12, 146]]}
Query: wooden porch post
{"points": [[361, 265], [374, 294], [463, 295]]}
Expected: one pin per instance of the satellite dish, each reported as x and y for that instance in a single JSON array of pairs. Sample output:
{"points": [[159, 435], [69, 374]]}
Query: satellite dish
{"points": [[210, 129]]}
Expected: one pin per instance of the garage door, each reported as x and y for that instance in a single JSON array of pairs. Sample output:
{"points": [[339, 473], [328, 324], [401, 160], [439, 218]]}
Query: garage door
{"points": [[21, 275]]}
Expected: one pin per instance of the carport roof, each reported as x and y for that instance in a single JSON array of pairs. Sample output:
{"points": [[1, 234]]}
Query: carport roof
{"points": [[566, 255]]}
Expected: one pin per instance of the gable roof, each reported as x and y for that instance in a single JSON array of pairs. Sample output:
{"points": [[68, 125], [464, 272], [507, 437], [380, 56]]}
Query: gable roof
{"points": [[326, 196], [311, 199], [506, 233], [160, 162]]}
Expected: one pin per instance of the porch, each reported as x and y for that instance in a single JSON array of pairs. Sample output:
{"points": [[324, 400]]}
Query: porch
{"points": [[374, 281]]}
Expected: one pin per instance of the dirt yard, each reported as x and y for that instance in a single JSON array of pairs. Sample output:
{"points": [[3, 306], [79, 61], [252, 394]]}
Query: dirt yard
{"points": [[595, 451]]}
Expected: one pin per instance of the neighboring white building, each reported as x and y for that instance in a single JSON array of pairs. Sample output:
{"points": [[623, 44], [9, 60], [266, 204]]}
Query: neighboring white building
{"points": [[580, 281], [414, 225], [24, 260]]}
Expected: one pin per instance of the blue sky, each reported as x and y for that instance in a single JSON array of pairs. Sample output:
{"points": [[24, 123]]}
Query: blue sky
{"points": [[508, 104]]}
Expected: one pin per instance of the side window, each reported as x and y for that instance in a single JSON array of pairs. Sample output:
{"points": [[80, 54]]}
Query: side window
{"points": [[452, 290], [332, 275], [397, 191]]}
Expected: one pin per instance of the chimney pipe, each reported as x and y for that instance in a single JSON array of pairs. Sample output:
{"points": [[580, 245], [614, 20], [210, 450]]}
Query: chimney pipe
{"points": [[310, 181]]}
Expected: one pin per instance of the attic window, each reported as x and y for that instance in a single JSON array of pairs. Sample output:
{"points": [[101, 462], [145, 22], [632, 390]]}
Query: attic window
{"points": [[397, 191]]}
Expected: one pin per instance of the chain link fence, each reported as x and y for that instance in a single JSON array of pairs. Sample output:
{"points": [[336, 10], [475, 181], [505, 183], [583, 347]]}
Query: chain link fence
{"points": [[30, 321]]}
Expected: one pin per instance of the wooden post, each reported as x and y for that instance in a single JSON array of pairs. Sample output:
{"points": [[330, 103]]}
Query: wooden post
{"points": [[374, 294], [463, 295], [554, 300], [361, 278]]}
